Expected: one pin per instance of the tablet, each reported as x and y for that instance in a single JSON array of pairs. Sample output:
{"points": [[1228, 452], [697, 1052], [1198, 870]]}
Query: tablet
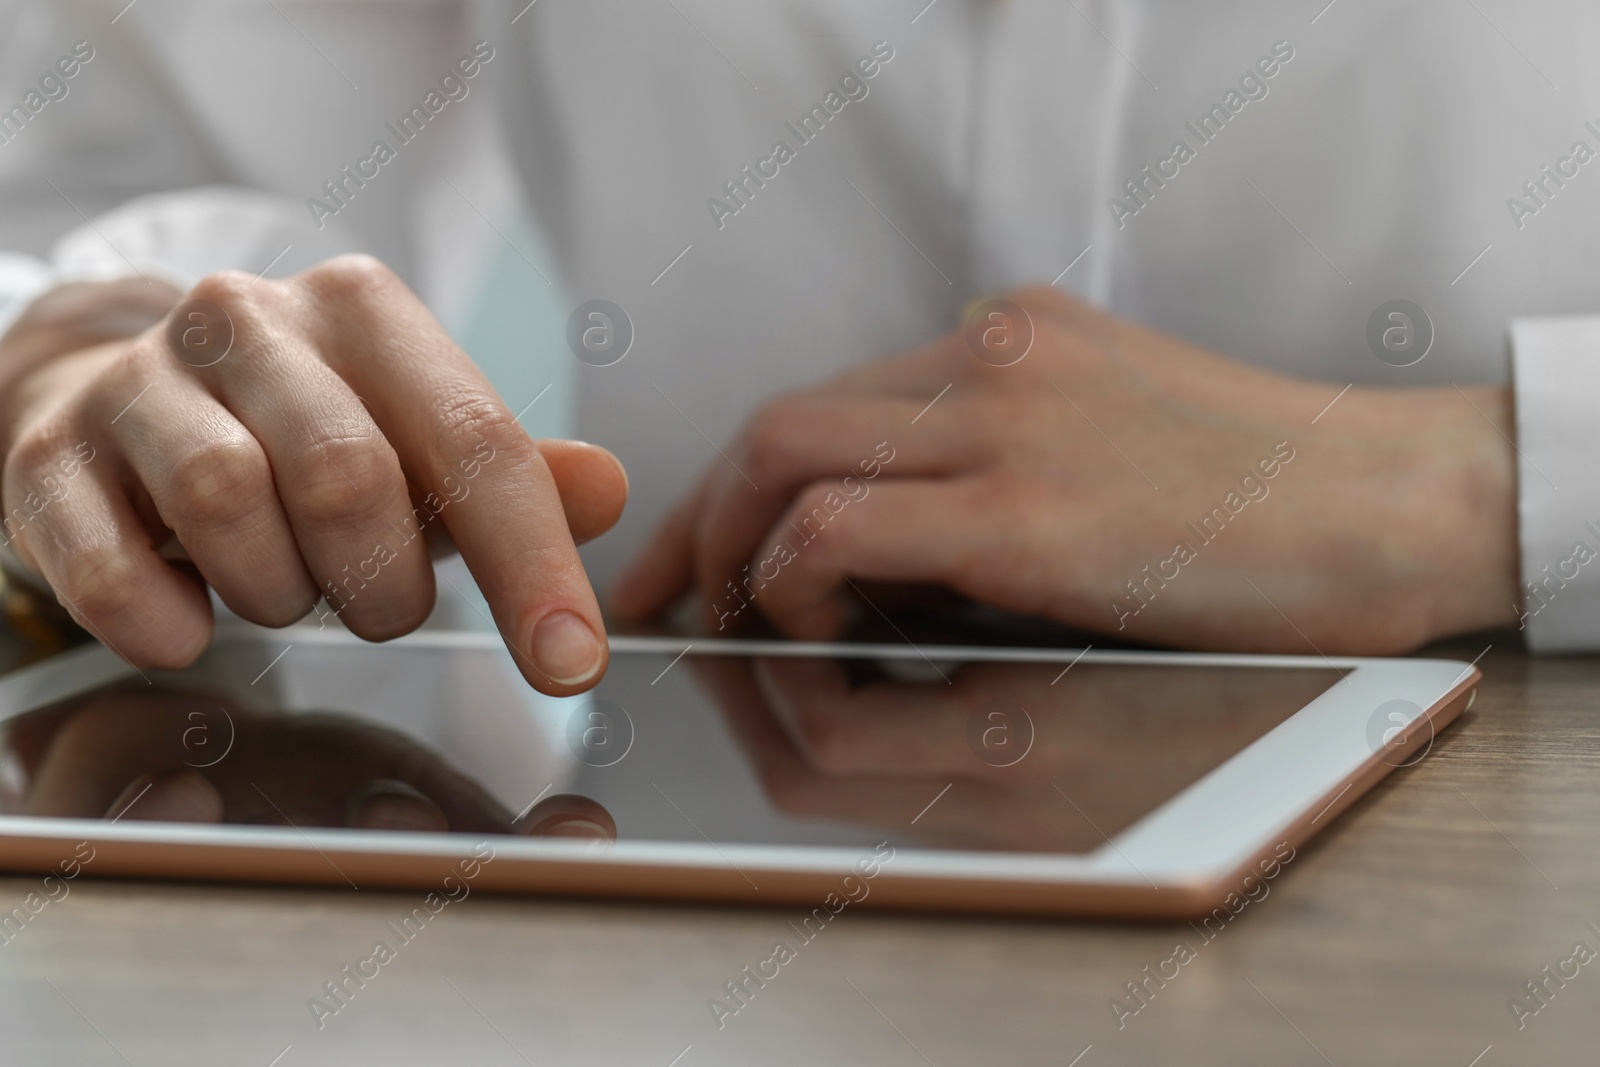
{"points": [[1044, 781]]}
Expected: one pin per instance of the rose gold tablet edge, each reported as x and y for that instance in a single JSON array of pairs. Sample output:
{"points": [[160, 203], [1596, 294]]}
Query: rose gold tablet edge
{"points": [[391, 871]]}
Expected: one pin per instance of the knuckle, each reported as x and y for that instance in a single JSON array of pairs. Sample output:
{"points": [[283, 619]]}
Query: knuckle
{"points": [[216, 485], [36, 449], [101, 583], [133, 368], [474, 422], [819, 509], [345, 481], [355, 274], [42, 463], [775, 432], [230, 290], [201, 329]]}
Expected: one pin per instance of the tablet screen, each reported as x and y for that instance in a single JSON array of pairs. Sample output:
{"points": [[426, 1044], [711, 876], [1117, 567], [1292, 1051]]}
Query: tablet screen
{"points": [[917, 747]]}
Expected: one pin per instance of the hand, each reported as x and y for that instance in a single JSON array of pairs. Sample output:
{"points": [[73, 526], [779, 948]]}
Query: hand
{"points": [[285, 441], [1021, 756], [1114, 479]]}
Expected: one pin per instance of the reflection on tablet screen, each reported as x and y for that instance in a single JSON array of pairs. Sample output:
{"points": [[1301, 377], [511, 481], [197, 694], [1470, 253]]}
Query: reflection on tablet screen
{"points": [[1026, 757]]}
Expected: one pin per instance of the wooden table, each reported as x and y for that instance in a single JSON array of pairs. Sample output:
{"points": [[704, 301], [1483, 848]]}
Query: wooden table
{"points": [[1400, 936]]}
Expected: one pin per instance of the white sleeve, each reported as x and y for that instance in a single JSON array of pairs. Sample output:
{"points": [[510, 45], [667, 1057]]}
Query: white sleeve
{"points": [[112, 177], [105, 136], [21, 279], [176, 238], [1556, 373], [182, 236]]}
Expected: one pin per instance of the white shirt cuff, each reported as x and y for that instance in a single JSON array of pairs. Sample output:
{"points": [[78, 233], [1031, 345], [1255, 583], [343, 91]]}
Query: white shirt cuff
{"points": [[22, 279], [1556, 373]]}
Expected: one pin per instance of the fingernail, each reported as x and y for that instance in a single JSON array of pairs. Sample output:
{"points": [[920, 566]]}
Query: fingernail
{"points": [[566, 650], [583, 828]]}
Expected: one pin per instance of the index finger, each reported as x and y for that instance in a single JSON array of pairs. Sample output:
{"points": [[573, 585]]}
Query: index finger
{"points": [[474, 466]]}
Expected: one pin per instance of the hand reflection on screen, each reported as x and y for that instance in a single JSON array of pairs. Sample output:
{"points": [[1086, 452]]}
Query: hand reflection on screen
{"points": [[1034, 760], [173, 756]]}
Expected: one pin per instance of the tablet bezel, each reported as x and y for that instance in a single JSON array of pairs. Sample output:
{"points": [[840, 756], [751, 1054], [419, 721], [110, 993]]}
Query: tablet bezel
{"points": [[1179, 860]]}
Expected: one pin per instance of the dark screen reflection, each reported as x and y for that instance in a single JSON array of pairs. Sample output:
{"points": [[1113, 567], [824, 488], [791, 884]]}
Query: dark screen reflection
{"points": [[178, 756], [1020, 757], [988, 756]]}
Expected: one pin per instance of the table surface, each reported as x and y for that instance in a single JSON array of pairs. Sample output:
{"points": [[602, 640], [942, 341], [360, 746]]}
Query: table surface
{"points": [[1401, 935]]}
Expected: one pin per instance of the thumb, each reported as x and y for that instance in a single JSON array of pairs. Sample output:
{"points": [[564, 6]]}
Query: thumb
{"points": [[592, 483]]}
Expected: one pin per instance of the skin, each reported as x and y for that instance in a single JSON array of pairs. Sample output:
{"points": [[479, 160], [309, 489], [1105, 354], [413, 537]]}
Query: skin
{"points": [[339, 421], [1047, 486]]}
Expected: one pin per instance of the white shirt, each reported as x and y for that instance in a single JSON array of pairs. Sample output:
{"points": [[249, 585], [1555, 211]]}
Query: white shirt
{"points": [[1392, 152]]}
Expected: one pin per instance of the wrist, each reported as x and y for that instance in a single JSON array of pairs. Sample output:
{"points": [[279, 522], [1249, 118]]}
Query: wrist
{"points": [[79, 315], [1474, 458], [66, 321], [1422, 489]]}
